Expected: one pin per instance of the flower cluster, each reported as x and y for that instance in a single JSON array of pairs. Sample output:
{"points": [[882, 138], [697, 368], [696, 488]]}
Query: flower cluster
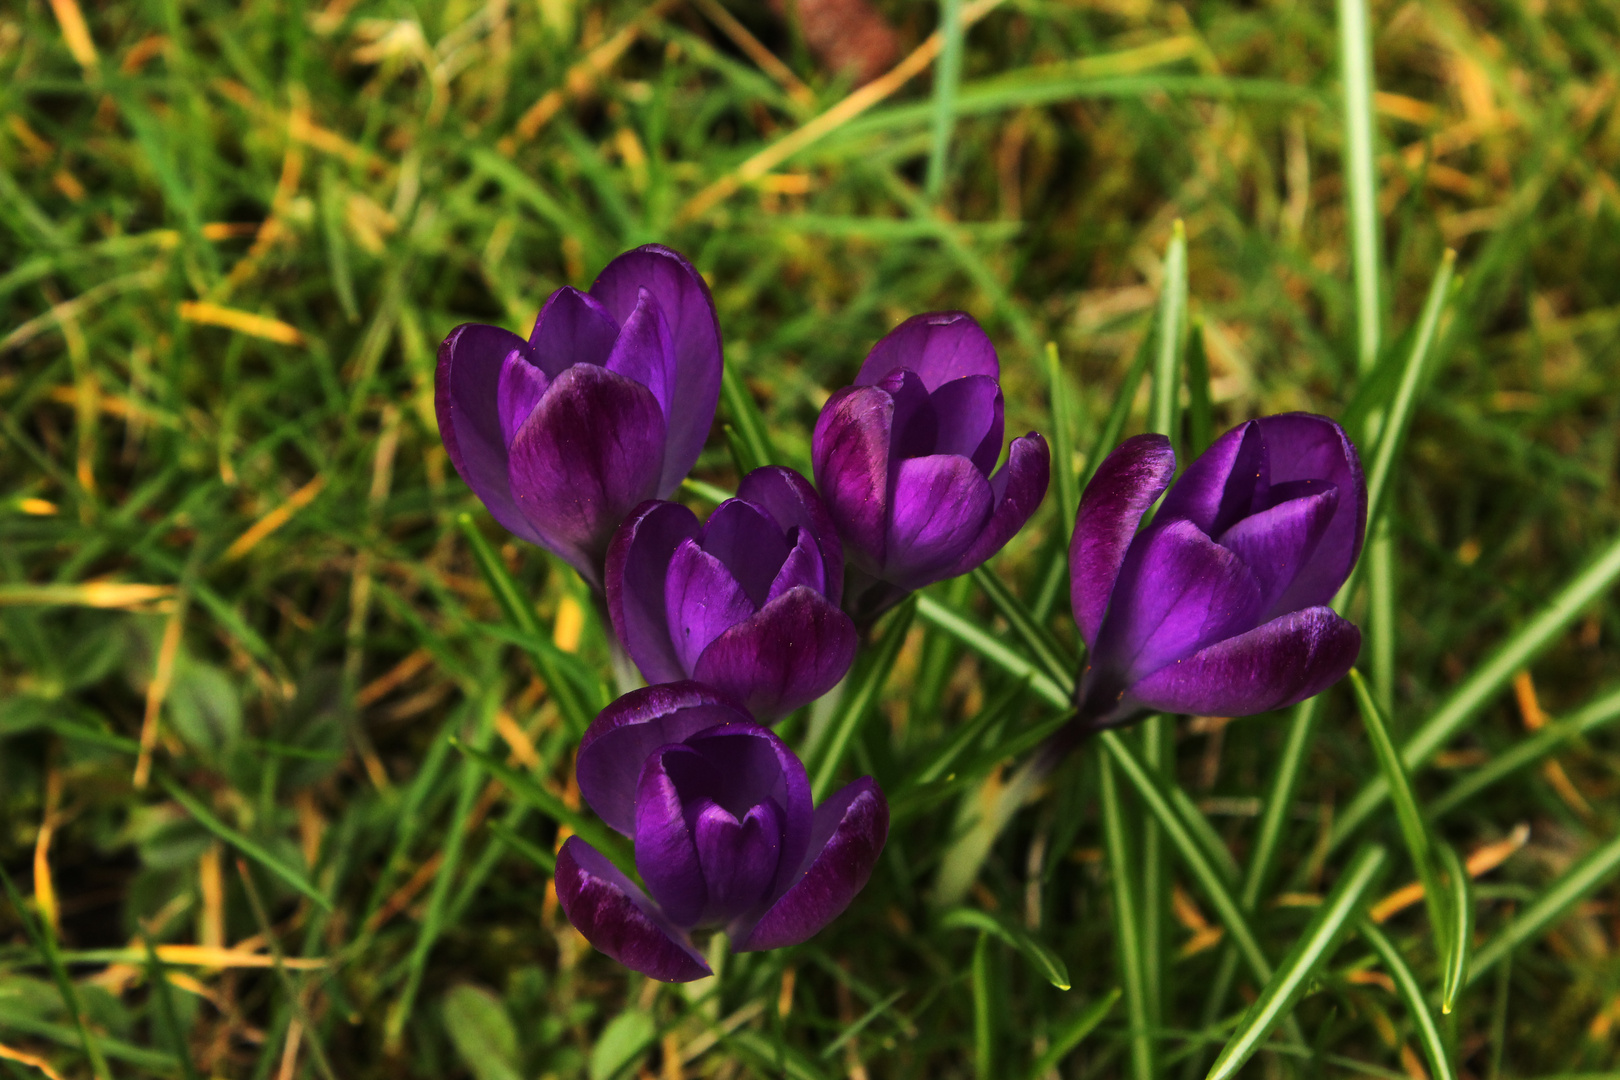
{"points": [[577, 438]]}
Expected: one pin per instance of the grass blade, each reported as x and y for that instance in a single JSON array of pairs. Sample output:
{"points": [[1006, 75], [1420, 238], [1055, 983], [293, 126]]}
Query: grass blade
{"points": [[1172, 314], [745, 417], [1361, 173], [295, 1000], [1046, 963], [157, 977], [536, 854], [520, 614], [1412, 993], [984, 1034], [939, 763], [1071, 1035], [947, 76], [986, 645], [525, 787], [1200, 407], [1124, 398], [1127, 934], [1459, 894], [257, 852], [1313, 948], [859, 700], [1036, 641], [1065, 482], [1413, 829], [1562, 895], [1486, 680]]}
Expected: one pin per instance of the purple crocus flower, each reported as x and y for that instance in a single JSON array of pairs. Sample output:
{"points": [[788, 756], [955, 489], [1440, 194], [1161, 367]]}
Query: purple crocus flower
{"points": [[747, 603], [607, 404], [904, 458], [1219, 607], [725, 836]]}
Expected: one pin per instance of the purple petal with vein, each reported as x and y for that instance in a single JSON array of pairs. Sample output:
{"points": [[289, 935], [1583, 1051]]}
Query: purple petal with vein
{"points": [[1277, 544], [850, 452], [666, 855], [939, 346], [1124, 486], [625, 734], [801, 569], [645, 352], [970, 420], [619, 920], [1277, 664], [521, 387], [1303, 446], [684, 298], [1225, 483], [1018, 487], [702, 600], [572, 328], [850, 829], [940, 505], [637, 561], [793, 651], [466, 398], [588, 454]]}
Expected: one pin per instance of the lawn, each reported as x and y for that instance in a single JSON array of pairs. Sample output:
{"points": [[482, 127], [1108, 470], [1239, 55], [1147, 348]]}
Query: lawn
{"points": [[282, 771]]}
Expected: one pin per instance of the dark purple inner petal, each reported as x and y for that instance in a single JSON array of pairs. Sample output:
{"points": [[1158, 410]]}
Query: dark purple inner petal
{"points": [[749, 543], [666, 857], [645, 351], [735, 771], [1227, 482], [739, 858], [701, 601], [520, 389], [914, 429], [803, 566], [1304, 447], [969, 412], [1278, 542], [572, 328]]}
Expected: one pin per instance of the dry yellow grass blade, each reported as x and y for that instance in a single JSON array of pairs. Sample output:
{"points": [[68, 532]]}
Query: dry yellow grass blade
{"points": [[156, 691], [95, 594], [829, 121], [580, 78], [243, 322], [274, 520], [1482, 861], [203, 956], [23, 1058], [75, 33]]}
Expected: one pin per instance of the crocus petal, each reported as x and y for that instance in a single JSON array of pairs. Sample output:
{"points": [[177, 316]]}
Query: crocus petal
{"points": [[1018, 487], [645, 352], [521, 387], [587, 455], [1227, 482], [914, 431], [1177, 592], [637, 561], [1120, 492], [850, 829], [666, 856], [619, 920], [701, 601], [739, 858], [1303, 446], [939, 346], [684, 299], [752, 766], [850, 452], [466, 398], [750, 544], [623, 735], [1277, 544], [970, 412], [572, 328], [792, 502], [801, 569], [1277, 664], [794, 650], [939, 507]]}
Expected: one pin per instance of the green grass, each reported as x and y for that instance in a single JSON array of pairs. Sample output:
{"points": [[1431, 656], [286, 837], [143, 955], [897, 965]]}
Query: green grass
{"points": [[231, 238]]}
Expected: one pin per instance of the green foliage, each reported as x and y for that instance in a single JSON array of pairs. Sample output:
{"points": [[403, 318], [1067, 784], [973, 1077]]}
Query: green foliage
{"points": [[231, 238]]}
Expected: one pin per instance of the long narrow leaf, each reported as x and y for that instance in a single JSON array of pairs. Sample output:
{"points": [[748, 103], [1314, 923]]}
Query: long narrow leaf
{"points": [[1037, 643], [1047, 963], [1071, 1034], [1127, 932], [255, 851], [985, 644], [1460, 904], [1563, 894], [1167, 357], [1411, 991], [745, 417], [1313, 948], [860, 699], [1064, 481], [1124, 398]]}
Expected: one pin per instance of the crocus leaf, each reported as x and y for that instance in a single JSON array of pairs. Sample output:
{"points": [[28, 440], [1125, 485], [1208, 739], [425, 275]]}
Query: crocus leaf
{"points": [[1046, 962]]}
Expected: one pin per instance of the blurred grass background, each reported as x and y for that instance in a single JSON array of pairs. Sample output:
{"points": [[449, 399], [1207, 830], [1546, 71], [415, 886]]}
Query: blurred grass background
{"points": [[237, 618]]}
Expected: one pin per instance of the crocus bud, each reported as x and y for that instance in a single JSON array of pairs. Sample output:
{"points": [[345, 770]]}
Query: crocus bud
{"points": [[607, 404], [725, 835], [747, 603], [904, 458], [1219, 607]]}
